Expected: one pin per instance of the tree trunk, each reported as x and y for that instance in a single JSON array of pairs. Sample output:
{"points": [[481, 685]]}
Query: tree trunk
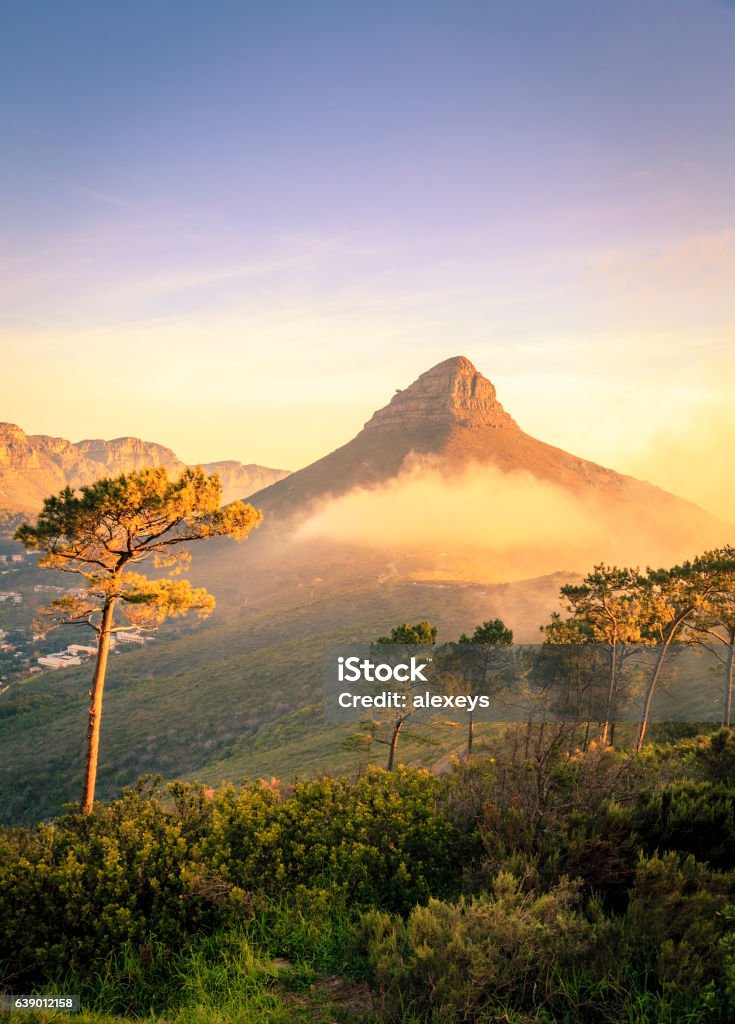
{"points": [[527, 745], [643, 724], [470, 735], [586, 740], [95, 708], [612, 687], [729, 671], [394, 743]]}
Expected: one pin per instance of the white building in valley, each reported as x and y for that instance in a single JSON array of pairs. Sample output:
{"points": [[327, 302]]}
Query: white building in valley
{"points": [[60, 660], [130, 638]]}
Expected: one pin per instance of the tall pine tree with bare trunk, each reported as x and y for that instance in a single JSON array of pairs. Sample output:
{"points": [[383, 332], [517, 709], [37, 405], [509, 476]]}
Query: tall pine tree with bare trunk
{"points": [[100, 533]]}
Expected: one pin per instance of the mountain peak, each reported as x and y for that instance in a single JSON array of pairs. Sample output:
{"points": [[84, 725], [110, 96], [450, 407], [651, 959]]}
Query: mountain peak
{"points": [[452, 393], [459, 363], [11, 432]]}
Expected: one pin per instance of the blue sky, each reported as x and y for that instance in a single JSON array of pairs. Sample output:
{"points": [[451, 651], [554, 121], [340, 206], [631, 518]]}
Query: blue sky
{"points": [[235, 228]]}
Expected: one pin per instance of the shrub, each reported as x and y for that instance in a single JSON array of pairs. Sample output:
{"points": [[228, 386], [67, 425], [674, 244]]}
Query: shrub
{"points": [[72, 891], [379, 839], [676, 923], [156, 865], [689, 817], [716, 756], [465, 960]]}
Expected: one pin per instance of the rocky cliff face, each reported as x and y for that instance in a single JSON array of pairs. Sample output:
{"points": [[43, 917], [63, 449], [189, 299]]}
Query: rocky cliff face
{"points": [[128, 453], [452, 393], [34, 466], [28, 471]]}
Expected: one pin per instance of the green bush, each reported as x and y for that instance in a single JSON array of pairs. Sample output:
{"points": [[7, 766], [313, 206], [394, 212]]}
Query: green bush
{"points": [[72, 891], [716, 756], [676, 924], [466, 960], [689, 817], [363, 878], [158, 865], [380, 839], [601, 851]]}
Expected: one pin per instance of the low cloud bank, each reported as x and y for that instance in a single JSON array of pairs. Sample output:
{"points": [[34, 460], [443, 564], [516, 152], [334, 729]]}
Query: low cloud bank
{"points": [[486, 524]]}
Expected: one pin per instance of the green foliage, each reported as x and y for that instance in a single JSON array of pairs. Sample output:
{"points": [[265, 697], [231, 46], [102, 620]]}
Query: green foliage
{"points": [[676, 923], [420, 633], [493, 631], [143, 505], [378, 840], [689, 817], [605, 608], [475, 958], [167, 864], [716, 756], [75, 890], [544, 883], [238, 975], [113, 524], [623, 608], [309, 926]]}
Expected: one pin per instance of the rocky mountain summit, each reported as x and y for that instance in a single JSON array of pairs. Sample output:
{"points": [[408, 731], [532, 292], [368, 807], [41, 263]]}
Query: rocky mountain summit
{"points": [[34, 466], [451, 393]]}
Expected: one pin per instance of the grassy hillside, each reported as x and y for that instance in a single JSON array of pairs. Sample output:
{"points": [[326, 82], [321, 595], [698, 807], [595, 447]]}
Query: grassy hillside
{"points": [[238, 695]]}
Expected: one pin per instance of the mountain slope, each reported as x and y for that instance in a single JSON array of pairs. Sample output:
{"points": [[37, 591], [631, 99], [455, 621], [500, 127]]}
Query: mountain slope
{"points": [[450, 412], [215, 699], [450, 421], [34, 466]]}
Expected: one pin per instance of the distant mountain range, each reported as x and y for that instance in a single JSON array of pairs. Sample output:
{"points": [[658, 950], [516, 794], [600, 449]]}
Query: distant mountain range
{"points": [[32, 467], [447, 428], [443, 450]]}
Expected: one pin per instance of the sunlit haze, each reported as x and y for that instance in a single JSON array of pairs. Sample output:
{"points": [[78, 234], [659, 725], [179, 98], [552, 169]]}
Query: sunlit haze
{"points": [[235, 229]]}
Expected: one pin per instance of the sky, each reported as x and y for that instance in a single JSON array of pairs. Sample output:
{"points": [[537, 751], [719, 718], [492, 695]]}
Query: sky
{"points": [[236, 228]]}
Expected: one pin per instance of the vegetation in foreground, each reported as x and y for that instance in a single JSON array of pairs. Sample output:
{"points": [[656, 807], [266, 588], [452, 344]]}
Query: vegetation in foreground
{"points": [[540, 884]]}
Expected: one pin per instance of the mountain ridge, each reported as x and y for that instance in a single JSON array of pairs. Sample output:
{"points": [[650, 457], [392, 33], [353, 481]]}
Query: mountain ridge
{"points": [[34, 466]]}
